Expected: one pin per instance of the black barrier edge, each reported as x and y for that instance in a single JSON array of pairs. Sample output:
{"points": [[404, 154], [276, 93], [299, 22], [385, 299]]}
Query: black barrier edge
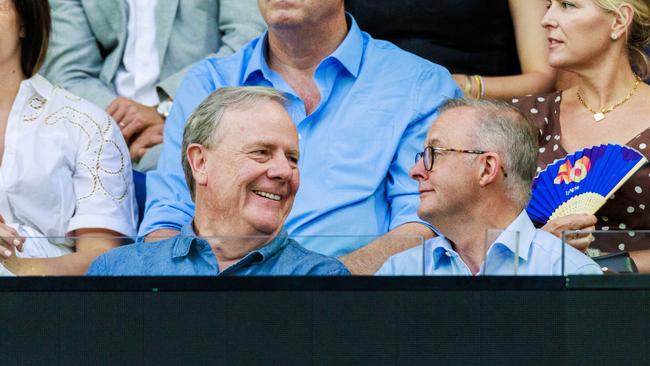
{"points": [[610, 282], [356, 283]]}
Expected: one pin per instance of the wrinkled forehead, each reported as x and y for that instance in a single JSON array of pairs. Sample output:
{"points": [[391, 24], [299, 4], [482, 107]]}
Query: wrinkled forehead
{"points": [[453, 128], [266, 123]]}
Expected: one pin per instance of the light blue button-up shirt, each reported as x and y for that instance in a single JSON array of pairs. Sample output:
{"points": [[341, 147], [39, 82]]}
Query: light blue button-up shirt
{"points": [[189, 255], [356, 148], [537, 253]]}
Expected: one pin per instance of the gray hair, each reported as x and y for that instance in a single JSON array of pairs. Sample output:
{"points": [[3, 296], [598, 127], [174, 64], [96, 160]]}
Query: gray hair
{"points": [[204, 126], [503, 129]]}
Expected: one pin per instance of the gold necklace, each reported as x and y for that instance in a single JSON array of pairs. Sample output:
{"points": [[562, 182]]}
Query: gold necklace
{"points": [[600, 115]]}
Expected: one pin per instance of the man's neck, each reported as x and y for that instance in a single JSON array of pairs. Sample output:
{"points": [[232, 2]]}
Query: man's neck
{"points": [[469, 239], [228, 244], [301, 49]]}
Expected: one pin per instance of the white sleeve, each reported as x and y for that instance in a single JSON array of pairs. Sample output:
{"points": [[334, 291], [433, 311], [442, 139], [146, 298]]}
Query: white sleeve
{"points": [[102, 177]]}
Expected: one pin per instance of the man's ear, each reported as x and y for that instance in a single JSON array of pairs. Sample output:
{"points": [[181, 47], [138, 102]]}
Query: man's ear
{"points": [[490, 168], [622, 20], [197, 158]]}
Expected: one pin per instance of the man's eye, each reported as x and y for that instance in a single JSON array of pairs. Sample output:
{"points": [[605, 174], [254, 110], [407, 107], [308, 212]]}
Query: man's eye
{"points": [[259, 154], [566, 4]]}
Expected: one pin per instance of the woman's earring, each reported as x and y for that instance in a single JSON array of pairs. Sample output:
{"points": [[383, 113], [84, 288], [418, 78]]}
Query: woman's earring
{"points": [[614, 36]]}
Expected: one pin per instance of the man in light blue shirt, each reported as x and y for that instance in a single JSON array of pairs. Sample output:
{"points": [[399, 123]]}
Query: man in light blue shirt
{"points": [[362, 108], [244, 180], [474, 178]]}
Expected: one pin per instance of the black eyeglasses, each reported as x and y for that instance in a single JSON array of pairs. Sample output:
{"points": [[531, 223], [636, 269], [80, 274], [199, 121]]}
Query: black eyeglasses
{"points": [[429, 156]]}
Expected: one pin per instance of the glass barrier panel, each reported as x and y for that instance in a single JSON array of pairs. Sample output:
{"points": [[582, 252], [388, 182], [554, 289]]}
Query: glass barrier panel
{"points": [[182, 255], [501, 253], [613, 251], [405, 261]]}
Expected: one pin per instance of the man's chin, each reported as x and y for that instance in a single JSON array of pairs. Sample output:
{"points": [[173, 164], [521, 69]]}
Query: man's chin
{"points": [[426, 214], [267, 228]]}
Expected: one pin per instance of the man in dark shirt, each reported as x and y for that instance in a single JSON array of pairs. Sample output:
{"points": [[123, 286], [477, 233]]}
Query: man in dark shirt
{"points": [[240, 159]]}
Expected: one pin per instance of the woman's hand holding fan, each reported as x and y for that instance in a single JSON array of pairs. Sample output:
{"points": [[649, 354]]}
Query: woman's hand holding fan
{"points": [[583, 222]]}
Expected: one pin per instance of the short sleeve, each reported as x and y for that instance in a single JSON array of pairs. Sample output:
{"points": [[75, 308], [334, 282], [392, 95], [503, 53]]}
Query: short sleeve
{"points": [[102, 176]]}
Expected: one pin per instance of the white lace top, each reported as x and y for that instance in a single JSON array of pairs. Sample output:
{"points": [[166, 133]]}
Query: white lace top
{"points": [[65, 166]]}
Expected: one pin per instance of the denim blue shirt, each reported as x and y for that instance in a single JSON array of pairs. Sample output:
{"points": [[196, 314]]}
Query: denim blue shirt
{"points": [[538, 253], [188, 255], [356, 147]]}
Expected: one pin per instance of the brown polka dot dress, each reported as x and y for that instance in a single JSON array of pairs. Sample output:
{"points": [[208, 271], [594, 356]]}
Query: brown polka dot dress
{"points": [[629, 208]]}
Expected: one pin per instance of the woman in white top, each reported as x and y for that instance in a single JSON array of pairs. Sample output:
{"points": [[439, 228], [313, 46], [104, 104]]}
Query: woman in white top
{"points": [[65, 171]]}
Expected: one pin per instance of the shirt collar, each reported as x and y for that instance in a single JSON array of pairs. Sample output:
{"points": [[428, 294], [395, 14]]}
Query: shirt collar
{"points": [[440, 246], [526, 229], [40, 85], [257, 60], [188, 237], [184, 241], [348, 53], [351, 49]]}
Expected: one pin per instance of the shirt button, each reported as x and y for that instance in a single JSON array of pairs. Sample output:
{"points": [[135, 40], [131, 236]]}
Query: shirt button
{"points": [[299, 136], [448, 254]]}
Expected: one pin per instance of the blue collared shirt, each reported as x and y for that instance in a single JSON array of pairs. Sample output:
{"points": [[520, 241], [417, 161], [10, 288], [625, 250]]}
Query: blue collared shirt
{"points": [[356, 148], [538, 253], [188, 255]]}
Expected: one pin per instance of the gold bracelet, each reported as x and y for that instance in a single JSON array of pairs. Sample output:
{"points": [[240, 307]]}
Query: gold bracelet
{"points": [[479, 82]]}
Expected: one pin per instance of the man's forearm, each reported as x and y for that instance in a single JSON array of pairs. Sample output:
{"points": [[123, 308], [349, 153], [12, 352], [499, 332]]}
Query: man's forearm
{"points": [[367, 259], [160, 234]]}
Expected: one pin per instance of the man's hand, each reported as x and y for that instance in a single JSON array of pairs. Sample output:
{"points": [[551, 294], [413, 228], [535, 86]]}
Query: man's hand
{"points": [[582, 222], [151, 136], [133, 118]]}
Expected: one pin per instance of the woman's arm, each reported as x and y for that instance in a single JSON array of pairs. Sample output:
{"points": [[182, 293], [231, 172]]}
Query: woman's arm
{"points": [[89, 244], [536, 77], [642, 260]]}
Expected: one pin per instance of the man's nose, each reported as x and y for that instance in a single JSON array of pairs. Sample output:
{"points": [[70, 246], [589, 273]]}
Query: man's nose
{"points": [[280, 168], [418, 172]]}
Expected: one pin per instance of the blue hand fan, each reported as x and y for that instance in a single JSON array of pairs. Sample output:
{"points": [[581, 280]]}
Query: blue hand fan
{"points": [[582, 182]]}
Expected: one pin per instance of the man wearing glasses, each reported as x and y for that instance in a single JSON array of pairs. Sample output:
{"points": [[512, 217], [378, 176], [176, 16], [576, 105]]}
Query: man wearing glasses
{"points": [[474, 178]]}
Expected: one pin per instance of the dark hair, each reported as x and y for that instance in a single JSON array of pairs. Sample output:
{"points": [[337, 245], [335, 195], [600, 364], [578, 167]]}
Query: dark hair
{"points": [[34, 16]]}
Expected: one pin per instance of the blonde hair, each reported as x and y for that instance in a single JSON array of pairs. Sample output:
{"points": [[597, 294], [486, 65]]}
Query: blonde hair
{"points": [[638, 38]]}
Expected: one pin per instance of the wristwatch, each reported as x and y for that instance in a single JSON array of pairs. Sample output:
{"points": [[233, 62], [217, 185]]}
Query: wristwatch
{"points": [[163, 108]]}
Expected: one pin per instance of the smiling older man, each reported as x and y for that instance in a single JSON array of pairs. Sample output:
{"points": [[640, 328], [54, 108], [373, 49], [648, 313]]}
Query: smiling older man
{"points": [[241, 165]]}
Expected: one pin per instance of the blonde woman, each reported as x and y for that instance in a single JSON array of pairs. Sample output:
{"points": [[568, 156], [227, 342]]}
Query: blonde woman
{"points": [[602, 43]]}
